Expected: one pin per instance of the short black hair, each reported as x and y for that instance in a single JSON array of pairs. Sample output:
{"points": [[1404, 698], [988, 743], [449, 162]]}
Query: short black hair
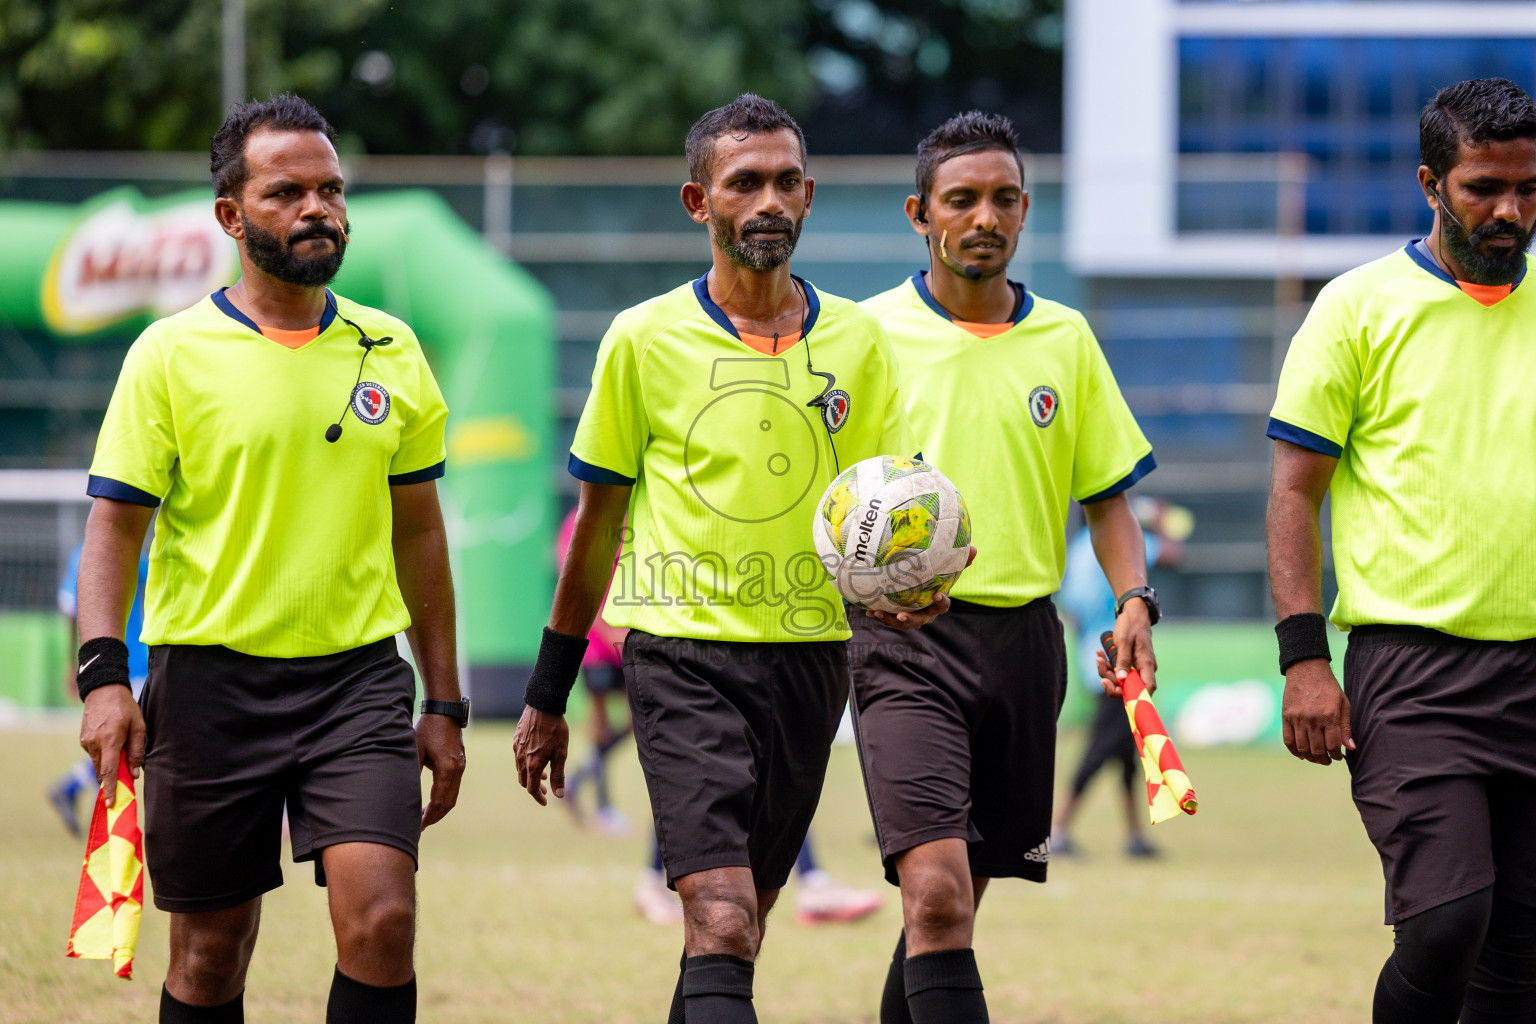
{"points": [[1476, 111], [970, 132], [747, 114], [285, 113]]}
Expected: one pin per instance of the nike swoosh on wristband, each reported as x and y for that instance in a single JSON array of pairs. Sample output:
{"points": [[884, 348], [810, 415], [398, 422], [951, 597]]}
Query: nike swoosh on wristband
{"points": [[87, 665]]}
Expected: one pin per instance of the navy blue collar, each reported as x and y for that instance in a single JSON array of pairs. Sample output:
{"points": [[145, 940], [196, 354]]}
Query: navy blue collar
{"points": [[701, 291], [1022, 304], [228, 309], [1418, 251]]}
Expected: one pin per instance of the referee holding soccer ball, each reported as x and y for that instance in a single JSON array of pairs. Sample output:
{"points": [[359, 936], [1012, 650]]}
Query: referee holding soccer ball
{"points": [[290, 550]]}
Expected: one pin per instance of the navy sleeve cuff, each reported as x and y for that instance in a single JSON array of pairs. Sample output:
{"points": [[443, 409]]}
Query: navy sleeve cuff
{"points": [[597, 474], [420, 476], [106, 487], [1141, 469], [1283, 431]]}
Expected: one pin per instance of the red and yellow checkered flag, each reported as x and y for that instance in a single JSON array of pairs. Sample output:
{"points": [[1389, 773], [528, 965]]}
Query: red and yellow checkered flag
{"points": [[1169, 790], [111, 898]]}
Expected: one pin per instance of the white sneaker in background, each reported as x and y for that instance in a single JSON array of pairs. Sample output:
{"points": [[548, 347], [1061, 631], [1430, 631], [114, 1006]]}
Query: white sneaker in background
{"points": [[654, 901], [821, 899]]}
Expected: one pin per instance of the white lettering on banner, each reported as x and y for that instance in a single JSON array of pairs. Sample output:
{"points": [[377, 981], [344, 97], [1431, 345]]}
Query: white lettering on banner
{"points": [[119, 261]]}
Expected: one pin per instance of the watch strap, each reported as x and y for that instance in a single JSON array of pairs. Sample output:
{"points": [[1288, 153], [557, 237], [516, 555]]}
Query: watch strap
{"points": [[458, 710], [1148, 597]]}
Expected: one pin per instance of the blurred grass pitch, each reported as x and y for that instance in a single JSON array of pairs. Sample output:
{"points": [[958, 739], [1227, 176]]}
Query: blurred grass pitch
{"points": [[1266, 907]]}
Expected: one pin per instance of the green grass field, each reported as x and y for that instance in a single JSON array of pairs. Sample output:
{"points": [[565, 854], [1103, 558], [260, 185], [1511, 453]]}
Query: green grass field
{"points": [[1266, 907]]}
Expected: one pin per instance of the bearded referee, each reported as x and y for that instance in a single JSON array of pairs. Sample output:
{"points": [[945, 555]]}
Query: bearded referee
{"points": [[1406, 397], [1009, 394], [719, 412], [289, 551]]}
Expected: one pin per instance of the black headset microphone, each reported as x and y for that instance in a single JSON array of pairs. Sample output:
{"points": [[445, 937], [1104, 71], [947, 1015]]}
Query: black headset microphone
{"points": [[971, 272]]}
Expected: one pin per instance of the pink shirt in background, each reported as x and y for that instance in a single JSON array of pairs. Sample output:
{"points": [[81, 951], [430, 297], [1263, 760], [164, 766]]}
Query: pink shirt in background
{"points": [[604, 642]]}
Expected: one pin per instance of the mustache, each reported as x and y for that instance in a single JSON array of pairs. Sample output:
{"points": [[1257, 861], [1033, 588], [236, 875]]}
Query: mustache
{"points": [[983, 236], [319, 229], [768, 224]]}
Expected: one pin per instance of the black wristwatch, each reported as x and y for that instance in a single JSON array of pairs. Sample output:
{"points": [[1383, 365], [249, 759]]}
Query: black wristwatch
{"points": [[458, 710], [1148, 597]]}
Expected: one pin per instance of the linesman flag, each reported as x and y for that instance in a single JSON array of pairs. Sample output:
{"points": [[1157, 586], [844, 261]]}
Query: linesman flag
{"points": [[1169, 790], [111, 898]]}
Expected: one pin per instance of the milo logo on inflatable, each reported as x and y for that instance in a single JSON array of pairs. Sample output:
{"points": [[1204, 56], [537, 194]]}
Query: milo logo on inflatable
{"points": [[125, 258]]}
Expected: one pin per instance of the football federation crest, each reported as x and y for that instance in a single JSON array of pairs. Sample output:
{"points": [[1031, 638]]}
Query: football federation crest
{"points": [[370, 403], [1043, 403], [834, 409]]}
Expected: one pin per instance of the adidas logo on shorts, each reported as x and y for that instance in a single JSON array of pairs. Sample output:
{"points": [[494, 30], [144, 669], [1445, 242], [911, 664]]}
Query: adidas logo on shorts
{"points": [[1040, 854]]}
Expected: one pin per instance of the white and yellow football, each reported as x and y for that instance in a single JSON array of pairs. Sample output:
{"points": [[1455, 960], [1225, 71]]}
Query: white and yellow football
{"points": [[893, 533]]}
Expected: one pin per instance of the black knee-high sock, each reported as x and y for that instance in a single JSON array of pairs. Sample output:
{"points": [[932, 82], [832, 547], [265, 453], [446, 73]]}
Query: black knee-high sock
{"points": [[676, 1014], [353, 1002], [1503, 985], [717, 989], [893, 1000], [174, 1011], [1400, 1001], [945, 988]]}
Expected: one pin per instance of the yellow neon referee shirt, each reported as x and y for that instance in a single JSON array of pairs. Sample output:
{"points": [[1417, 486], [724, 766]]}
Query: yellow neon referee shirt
{"points": [[270, 540], [1424, 395], [728, 461], [1021, 422]]}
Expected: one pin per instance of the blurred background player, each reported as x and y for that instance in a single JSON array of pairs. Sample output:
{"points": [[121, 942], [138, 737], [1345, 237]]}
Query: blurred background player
{"points": [[736, 660], [1089, 604], [602, 673], [1009, 394], [64, 794], [1405, 399]]}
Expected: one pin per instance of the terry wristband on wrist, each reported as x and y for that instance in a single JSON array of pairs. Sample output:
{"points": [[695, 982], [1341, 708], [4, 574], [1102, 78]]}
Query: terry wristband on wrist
{"points": [[554, 673], [103, 662], [1302, 637]]}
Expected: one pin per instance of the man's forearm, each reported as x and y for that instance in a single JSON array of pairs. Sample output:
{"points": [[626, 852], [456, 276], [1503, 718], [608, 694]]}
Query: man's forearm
{"points": [[1295, 554], [588, 566], [1117, 543], [426, 583], [109, 563]]}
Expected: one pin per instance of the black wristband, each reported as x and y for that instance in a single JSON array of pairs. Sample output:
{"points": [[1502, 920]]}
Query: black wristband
{"points": [[554, 673], [1302, 637], [103, 662]]}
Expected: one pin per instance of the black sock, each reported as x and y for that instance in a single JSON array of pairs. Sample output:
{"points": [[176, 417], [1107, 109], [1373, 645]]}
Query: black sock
{"points": [[893, 1000], [676, 1015], [717, 989], [945, 988], [174, 1011], [1503, 985], [1399, 1001], [353, 1002]]}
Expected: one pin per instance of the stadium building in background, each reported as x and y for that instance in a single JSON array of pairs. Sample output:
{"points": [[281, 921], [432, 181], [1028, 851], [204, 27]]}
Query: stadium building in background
{"points": [[1224, 159]]}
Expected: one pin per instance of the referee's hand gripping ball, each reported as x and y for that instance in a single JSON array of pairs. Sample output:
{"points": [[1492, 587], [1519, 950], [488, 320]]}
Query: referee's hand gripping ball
{"points": [[906, 621]]}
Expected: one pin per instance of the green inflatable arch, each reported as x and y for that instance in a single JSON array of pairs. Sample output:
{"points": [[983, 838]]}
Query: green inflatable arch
{"points": [[104, 269]]}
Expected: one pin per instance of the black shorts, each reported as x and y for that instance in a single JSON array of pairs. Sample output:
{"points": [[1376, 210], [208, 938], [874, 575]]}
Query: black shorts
{"points": [[234, 737], [734, 740], [956, 725], [1444, 767]]}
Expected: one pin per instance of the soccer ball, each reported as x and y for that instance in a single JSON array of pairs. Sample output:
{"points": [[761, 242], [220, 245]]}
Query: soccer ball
{"points": [[893, 533]]}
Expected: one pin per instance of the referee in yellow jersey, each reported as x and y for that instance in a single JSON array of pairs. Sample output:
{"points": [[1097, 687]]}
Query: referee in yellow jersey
{"points": [[719, 413], [1009, 394], [1406, 395], [290, 549]]}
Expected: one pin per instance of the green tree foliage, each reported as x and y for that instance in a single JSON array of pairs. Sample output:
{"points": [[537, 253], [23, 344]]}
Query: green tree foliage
{"points": [[527, 76]]}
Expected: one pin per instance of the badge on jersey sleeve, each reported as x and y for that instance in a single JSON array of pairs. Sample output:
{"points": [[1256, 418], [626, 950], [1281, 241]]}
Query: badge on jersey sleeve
{"points": [[370, 402], [1043, 403]]}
